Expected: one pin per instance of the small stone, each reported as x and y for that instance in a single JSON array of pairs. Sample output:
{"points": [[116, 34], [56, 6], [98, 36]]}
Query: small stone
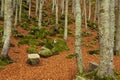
{"points": [[33, 59], [92, 66]]}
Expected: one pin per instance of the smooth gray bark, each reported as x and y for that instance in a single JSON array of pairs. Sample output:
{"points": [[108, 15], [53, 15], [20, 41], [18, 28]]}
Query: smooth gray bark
{"points": [[66, 21], [2, 7], [78, 31], [106, 36], [7, 24], [20, 9], [117, 35], [40, 15]]}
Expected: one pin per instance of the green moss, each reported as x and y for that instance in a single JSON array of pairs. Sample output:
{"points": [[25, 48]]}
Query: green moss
{"points": [[23, 41], [106, 78], [88, 45], [93, 26], [25, 26], [94, 52], [4, 62], [32, 62], [48, 43], [93, 42], [86, 34], [32, 50], [70, 56], [29, 40], [33, 42], [116, 73], [42, 33], [117, 52], [17, 35], [60, 45]]}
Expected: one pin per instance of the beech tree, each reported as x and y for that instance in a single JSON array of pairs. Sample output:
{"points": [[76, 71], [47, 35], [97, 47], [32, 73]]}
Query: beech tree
{"points": [[62, 6], [66, 21], [56, 25], [78, 31], [106, 36], [20, 9], [16, 15], [2, 7], [40, 14], [7, 27], [117, 36]]}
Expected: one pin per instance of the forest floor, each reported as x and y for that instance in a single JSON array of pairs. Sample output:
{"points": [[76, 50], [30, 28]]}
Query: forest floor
{"points": [[56, 67]]}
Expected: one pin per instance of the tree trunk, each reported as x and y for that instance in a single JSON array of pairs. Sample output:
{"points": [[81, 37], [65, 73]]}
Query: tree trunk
{"points": [[16, 15], [40, 15], [36, 10], [53, 6], [62, 6], [56, 15], [78, 31], [66, 21], [29, 9], [20, 10], [106, 36], [7, 24], [89, 16], [2, 7], [117, 35]]}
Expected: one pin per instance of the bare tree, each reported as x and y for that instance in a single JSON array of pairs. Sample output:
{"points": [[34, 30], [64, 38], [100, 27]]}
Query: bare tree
{"points": [[117, 35], [66, 21], [62, 6], [2, 7], [40, 15], [78, 24], [106, 36], [7, 24], [20, 9]]}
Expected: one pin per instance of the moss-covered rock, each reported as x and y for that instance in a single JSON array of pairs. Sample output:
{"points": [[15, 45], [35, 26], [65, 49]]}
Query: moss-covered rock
{"points": [[45, 52], [60, 45], [32, 50]]}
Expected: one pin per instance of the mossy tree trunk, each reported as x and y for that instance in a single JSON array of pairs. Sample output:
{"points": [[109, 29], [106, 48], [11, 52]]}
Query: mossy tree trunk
{"points": [[78, 24], [7, 24], [117, 35], [106, 36]]}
